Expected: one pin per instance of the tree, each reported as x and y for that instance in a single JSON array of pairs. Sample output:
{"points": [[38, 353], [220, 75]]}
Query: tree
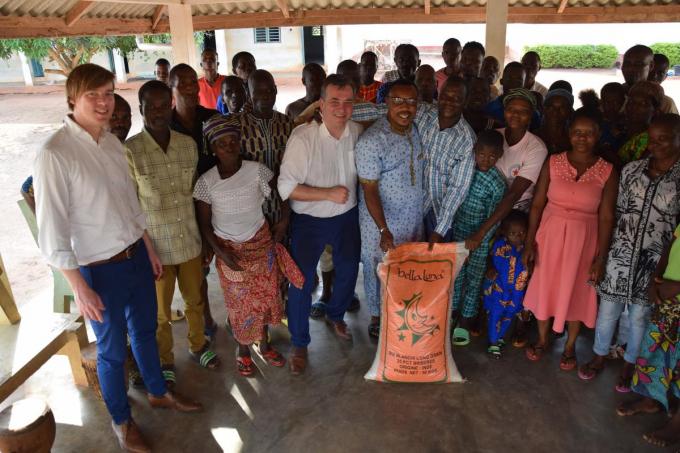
{"points": [[67, 53]]}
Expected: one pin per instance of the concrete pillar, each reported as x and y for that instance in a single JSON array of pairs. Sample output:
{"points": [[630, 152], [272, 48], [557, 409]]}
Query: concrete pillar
{"points": [[332, 47], [222, 56], [496, 28], [119, 64], [182, 35], [26, 70]]}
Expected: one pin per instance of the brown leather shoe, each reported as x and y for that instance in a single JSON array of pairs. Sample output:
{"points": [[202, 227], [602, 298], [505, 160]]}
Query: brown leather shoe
{"points": [[130, 437], [297, 362], [174, 401], [340, 329]]}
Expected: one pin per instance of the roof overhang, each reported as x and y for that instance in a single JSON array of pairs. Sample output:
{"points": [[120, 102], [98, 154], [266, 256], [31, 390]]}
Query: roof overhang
{"points": [[39, 18]]}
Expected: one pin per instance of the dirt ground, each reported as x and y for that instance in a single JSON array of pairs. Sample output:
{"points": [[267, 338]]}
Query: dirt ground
{"points": [[26, 120]]}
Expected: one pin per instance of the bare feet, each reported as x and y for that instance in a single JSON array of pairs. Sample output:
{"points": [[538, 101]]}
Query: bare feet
{"points": [[668, 435], [639, 406]]}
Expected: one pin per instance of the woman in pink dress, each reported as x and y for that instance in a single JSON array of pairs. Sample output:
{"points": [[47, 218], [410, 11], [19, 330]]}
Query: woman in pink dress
{"points": [[570, 225]]}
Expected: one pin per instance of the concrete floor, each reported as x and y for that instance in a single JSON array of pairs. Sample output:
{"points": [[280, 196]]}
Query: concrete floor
{"points": [[510, 405]]}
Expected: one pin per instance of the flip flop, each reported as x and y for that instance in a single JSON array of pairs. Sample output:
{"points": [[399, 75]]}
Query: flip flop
{"points": [[623, 384], [318, 310], [567, 363], [273, 357], [245, 366], [588, 372], [494, 351], [460, 337], [535, 353]]}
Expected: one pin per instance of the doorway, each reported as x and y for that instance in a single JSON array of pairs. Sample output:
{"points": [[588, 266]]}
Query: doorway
{"points": [[312, 39]]}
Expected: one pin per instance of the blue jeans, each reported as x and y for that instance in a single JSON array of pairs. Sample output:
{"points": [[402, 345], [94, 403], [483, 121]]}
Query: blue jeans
{"points": [[608, 317], [128, 293], [309, 236]]}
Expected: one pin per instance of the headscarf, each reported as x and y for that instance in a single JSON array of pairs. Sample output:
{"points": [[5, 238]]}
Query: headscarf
{"points": [[561, 92], [519, 93], [218, 126]]}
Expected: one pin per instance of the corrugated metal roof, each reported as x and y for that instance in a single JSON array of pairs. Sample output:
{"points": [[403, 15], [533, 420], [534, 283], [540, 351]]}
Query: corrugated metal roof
{"points": [[59, 8]]}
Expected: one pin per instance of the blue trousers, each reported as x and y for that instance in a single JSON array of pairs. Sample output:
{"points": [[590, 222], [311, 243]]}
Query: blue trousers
{"points": [[128, 293], [499, 319], [309, 236]]}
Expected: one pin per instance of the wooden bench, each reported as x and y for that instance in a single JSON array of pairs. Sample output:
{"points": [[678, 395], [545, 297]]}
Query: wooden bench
{"points": [[27, 345]]}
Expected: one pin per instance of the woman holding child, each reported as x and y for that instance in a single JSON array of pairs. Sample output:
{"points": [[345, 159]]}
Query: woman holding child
{"points": [[570, 226]]}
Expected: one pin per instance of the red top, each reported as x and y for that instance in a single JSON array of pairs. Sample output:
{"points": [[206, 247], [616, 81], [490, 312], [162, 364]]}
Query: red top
{"points": [[208, 94], [369, 93]]}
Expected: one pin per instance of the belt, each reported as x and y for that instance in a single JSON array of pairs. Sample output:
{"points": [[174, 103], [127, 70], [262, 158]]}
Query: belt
{"points": [[126, 254]]}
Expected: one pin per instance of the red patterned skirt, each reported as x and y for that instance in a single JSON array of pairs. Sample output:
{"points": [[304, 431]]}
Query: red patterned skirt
{"points": [[253, 295]]}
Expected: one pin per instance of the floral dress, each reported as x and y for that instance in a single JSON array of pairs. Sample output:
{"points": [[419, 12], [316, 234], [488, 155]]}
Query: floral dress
{"points": [[646, 214], [657, 370]]}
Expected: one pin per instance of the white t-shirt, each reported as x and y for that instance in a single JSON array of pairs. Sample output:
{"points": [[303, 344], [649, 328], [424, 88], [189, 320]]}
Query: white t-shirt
{"points": [[524, 159], [315, 158], [236, 202]]}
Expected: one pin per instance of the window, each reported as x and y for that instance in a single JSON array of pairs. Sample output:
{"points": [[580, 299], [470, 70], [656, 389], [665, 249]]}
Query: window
{"points": [[267, 34]]}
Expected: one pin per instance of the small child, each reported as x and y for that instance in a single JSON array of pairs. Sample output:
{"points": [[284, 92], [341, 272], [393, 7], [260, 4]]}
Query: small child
{"points": [[506, 279], [612, 98], [486, 191]]}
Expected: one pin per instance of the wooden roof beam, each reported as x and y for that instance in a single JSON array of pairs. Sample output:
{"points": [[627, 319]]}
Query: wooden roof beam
{"points": [[563, 5], [158, 15], [283, 6], [78, 11]]}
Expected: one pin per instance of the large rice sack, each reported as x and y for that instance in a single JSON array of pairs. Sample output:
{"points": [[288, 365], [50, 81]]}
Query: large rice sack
{"points": [[416, 289]]}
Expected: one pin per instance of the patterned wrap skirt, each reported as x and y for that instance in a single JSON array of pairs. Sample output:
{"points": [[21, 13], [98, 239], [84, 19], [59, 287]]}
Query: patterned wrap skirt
{"points": [[253, 295]]}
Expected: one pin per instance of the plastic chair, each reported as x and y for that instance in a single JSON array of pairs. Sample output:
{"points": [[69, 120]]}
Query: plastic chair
{"points": [[62, 291]]}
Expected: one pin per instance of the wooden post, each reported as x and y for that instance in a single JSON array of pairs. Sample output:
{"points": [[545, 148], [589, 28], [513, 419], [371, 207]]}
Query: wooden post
{"points": [[9, 314], [26, 70], [496, 28], [119, 64], [182, 34], [222, 56]]}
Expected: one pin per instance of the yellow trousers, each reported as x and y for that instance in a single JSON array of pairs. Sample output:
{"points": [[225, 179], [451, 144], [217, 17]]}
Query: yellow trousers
{"points": [[189, 277]]}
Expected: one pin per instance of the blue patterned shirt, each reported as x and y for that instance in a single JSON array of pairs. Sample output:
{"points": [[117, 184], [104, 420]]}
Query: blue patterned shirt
{"points": [[450, 159]]}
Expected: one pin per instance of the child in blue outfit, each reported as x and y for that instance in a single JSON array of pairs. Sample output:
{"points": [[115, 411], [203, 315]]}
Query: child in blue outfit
{"points": [[506, 279]]}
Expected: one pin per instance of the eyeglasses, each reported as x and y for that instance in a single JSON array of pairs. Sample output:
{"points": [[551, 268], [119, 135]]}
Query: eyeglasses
{"points": [[400, 101]]}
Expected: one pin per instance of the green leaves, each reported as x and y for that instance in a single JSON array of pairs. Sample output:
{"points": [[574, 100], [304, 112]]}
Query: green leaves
{"points": [[575, 56], [670, 49]]}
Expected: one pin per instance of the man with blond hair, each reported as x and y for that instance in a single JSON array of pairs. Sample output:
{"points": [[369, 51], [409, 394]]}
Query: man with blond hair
{"points": [[92, 228]]}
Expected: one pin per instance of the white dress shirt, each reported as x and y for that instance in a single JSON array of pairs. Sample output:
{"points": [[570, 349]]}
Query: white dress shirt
{"points": [[86, 204], [315, 158]]}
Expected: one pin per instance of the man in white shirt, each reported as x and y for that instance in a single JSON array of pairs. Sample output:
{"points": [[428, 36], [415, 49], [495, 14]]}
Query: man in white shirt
{"points": [[92, 228], [319, 176]]}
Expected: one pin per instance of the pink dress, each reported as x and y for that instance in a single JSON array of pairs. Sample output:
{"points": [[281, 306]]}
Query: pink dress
{"points": [[566, 243]]}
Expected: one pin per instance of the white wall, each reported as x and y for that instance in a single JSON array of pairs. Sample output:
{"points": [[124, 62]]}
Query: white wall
{"points": [[284, 56]]}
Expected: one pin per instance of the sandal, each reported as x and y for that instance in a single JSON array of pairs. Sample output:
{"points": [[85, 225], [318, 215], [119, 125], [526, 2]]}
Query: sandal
{"points": [[318, 310], [460, 337], [206, 358], [534, 353], [245, 366], [374, 329], [169, 377], [209, 333], [623, 384], [588, 372], [494, 351], [567, 362], [273, 357]]}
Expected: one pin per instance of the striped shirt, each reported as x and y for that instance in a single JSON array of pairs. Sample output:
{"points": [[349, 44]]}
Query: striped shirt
{"points": [[164, 181], [450, 159]]}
